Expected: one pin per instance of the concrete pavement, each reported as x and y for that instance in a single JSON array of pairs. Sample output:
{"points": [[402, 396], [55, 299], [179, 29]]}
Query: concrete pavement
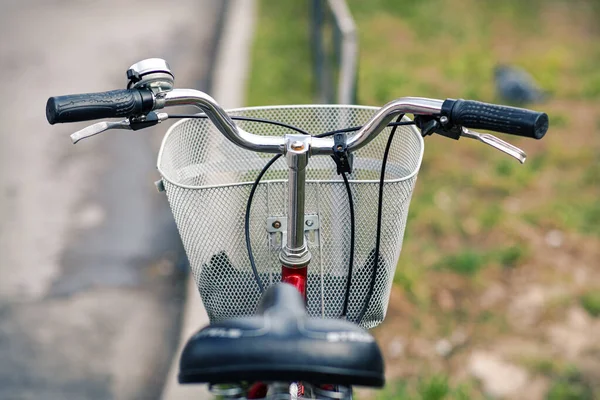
{"points": [[232, 62], [90, 291]]}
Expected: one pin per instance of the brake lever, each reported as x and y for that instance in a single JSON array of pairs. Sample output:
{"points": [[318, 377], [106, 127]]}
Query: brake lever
{"points": [[496, 143], [129, 124], [98, 128]]}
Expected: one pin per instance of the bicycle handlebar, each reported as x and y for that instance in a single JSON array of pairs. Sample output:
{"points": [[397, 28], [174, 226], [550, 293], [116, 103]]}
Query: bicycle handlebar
{"points": [[136, 102]]}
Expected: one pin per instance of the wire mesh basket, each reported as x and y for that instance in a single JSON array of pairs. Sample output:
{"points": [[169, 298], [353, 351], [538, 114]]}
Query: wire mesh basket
{"points": [[208, 180]]}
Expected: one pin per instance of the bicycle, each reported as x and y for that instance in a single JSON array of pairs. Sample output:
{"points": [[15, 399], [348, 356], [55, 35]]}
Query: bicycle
{"points": [[252, 227]]}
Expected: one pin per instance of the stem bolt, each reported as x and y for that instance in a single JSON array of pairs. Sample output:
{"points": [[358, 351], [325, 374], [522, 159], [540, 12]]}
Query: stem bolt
{"points": [[297, 145], [276, 224], [309, 222]]}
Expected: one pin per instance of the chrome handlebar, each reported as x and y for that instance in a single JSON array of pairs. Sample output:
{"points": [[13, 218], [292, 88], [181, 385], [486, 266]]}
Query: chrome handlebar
{"points": [[221, 120], [276, 144]]}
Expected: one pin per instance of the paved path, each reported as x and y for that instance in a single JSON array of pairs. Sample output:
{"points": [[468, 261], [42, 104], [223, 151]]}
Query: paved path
{"points": [[90, 289], [232, 61]]}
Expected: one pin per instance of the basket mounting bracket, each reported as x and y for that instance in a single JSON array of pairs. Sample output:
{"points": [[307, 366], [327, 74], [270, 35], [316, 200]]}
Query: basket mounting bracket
{"points": [[277, 230]]}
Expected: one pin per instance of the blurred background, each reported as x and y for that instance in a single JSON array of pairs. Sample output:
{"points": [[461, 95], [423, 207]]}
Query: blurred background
{"points": [[497, 292]]}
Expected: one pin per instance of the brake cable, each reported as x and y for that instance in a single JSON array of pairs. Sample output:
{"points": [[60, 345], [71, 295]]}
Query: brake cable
{"points": [[378, 231]]}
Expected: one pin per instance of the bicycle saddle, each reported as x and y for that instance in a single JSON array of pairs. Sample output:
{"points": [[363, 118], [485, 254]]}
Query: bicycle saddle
{"points": [[282, 343]]}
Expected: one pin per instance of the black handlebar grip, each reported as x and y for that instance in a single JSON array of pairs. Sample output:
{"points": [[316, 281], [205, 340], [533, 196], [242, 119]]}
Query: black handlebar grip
{"points": [[504, 119], [89, 106]]}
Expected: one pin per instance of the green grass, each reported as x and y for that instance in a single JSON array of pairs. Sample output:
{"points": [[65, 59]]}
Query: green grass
{"points": [[580, 214], [590, 301], [548, 367], [281, 57], [434, 387], [570, 385], [512, 256], [466, 262], [469, 262], [410, 279], [566, 381]]}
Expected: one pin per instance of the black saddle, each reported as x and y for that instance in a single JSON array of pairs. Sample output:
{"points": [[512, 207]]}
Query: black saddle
{"points": [[282, 343]]}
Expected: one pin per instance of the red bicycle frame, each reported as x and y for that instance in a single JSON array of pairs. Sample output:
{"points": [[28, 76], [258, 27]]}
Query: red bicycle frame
{"points": [[296, 276]]}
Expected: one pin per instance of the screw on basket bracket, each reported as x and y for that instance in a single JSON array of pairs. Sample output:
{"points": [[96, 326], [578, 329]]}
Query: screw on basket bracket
{"points": [[309, 222], [276, 224], [297, 145]]}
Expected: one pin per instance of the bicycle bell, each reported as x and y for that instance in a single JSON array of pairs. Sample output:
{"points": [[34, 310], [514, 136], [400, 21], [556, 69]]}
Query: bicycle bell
{"points": [[151, 73]]}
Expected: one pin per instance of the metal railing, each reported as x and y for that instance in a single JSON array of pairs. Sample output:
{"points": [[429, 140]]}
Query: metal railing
{"points": [[335, 51]]}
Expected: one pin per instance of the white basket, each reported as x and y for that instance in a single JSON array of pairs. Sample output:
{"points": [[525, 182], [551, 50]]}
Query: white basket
{"points": [[208, 180]]}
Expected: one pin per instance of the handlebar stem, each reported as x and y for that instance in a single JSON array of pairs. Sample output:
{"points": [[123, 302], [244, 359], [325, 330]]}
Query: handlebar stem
{"points": [[295, 252]]}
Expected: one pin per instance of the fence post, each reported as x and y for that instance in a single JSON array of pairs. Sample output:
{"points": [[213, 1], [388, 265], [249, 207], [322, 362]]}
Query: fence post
{"points": [[342, 53], [348, 60]]}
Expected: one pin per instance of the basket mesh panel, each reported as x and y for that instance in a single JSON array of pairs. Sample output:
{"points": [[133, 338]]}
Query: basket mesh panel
{"points": [[208, 180]]}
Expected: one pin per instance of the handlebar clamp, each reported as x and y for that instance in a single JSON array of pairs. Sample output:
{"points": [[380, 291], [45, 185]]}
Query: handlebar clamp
{"points": [[342, 157], [437, 124]]}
